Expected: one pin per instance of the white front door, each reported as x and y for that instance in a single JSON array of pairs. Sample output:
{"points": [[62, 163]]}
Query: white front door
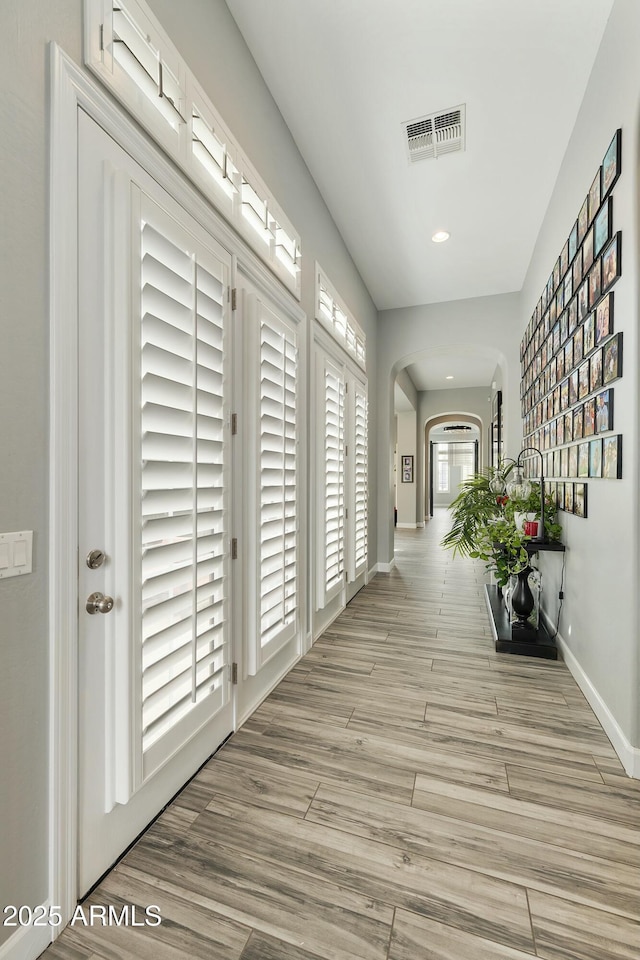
{"points": [[154, 505]]}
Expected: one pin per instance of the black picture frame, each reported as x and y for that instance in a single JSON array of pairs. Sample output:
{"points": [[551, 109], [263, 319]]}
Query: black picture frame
{"points": [[406, 475], [595, 458], [583, 459], [612, 359], [587, 249], [602, 226], [604, 411], [595, 194], [583, 219], [580, 499], [611, 164], [595, 370], [604, 318], [568, 497], [612, 262], [612, 457]]}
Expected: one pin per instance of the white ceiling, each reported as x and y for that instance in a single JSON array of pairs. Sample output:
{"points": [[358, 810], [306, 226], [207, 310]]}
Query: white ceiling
{"points": [[430, 371], [347, 73]]}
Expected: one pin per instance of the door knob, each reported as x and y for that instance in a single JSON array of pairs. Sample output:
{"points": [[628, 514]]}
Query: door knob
{"points": [[98, 603]]}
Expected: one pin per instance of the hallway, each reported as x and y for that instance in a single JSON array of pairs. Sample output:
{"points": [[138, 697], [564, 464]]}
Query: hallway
{"points": [[404, 794]]}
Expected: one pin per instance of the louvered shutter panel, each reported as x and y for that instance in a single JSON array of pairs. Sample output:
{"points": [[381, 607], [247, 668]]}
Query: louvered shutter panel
{"points": [[183, 511], [331, 533], [274, 601], [359, 480]]}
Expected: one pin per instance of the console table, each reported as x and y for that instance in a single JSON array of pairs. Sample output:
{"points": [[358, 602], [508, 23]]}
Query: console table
{"points": [[526, 641]]}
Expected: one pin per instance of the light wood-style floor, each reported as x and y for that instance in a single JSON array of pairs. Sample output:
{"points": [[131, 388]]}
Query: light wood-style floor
{"points": [[404, 794]]}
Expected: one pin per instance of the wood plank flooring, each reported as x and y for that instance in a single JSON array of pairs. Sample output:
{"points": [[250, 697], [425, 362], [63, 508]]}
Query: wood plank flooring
{"points": [[404, 794]]}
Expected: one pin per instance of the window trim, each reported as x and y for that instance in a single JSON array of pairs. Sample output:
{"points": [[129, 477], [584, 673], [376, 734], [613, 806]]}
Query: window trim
{"points": [[282, 253]]}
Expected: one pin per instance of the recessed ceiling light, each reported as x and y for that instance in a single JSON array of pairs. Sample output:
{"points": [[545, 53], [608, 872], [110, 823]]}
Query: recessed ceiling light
{"points": [[449, 378], [440, 236]]}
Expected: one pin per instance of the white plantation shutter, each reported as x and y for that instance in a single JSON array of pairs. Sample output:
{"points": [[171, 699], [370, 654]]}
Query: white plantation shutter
{"points": [[357, 523], [183, 547], [274, 513], [331, 505]]}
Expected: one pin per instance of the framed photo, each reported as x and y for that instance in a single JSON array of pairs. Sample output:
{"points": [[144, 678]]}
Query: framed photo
{"points": [[580, 499], [568, 427], [604, 411], [583, 220], [589, 333], [560, 496], [587, 249], [594, 195], [589, 427], [576, 269], [568, 356], [612, 457], [604, 318], [611, 262], [578, 424], [595, 371], [612, 163], [572, 314], [559, 438], [602, 226], [564, 327], [583, 300], [568, 497], [556, 274], [564, 462], [583, 459], [407, 468], [573, 388], [612, 359], [595, 458], [573, 242], [564, 259], [583, 380], [564, 395], [595, 282]]}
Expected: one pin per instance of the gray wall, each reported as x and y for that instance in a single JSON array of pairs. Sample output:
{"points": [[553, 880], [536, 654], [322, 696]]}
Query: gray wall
{"points": [[600, 613], [210, 42]]}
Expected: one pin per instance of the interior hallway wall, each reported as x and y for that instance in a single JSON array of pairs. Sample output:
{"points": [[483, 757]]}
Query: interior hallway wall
{"points": [[483, 326], [600, 614]]}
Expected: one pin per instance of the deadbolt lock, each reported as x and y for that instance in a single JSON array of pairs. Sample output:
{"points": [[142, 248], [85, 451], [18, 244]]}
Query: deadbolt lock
{"points": [[95, 559]]}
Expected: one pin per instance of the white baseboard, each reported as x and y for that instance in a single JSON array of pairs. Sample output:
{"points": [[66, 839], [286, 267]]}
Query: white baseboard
{"points": [[420, 524], [406, 526], [372, 572], [27, 943], [385, 567], [628, 754]]}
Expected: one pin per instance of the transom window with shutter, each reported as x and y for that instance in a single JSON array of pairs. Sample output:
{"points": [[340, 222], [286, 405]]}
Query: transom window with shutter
{"points": [[331, 512], [273, 532], [183, 492]]}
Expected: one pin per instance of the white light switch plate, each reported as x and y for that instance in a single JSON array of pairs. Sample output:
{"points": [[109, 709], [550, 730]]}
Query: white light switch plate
{"points": [[15, 554]]}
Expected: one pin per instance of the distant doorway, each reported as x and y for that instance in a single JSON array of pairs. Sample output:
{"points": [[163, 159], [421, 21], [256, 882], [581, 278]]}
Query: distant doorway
{"points": [[453, 453]]}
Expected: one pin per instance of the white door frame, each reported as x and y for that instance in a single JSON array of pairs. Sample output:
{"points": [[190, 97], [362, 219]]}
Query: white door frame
{"points": [[71, 90]]}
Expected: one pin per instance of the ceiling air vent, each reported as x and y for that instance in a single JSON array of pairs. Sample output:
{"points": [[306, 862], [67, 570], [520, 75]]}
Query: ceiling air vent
{"points": [[435, 135]]}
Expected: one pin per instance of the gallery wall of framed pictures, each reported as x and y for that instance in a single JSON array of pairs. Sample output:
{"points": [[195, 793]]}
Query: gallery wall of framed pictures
{"points": [[571, 353]]}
